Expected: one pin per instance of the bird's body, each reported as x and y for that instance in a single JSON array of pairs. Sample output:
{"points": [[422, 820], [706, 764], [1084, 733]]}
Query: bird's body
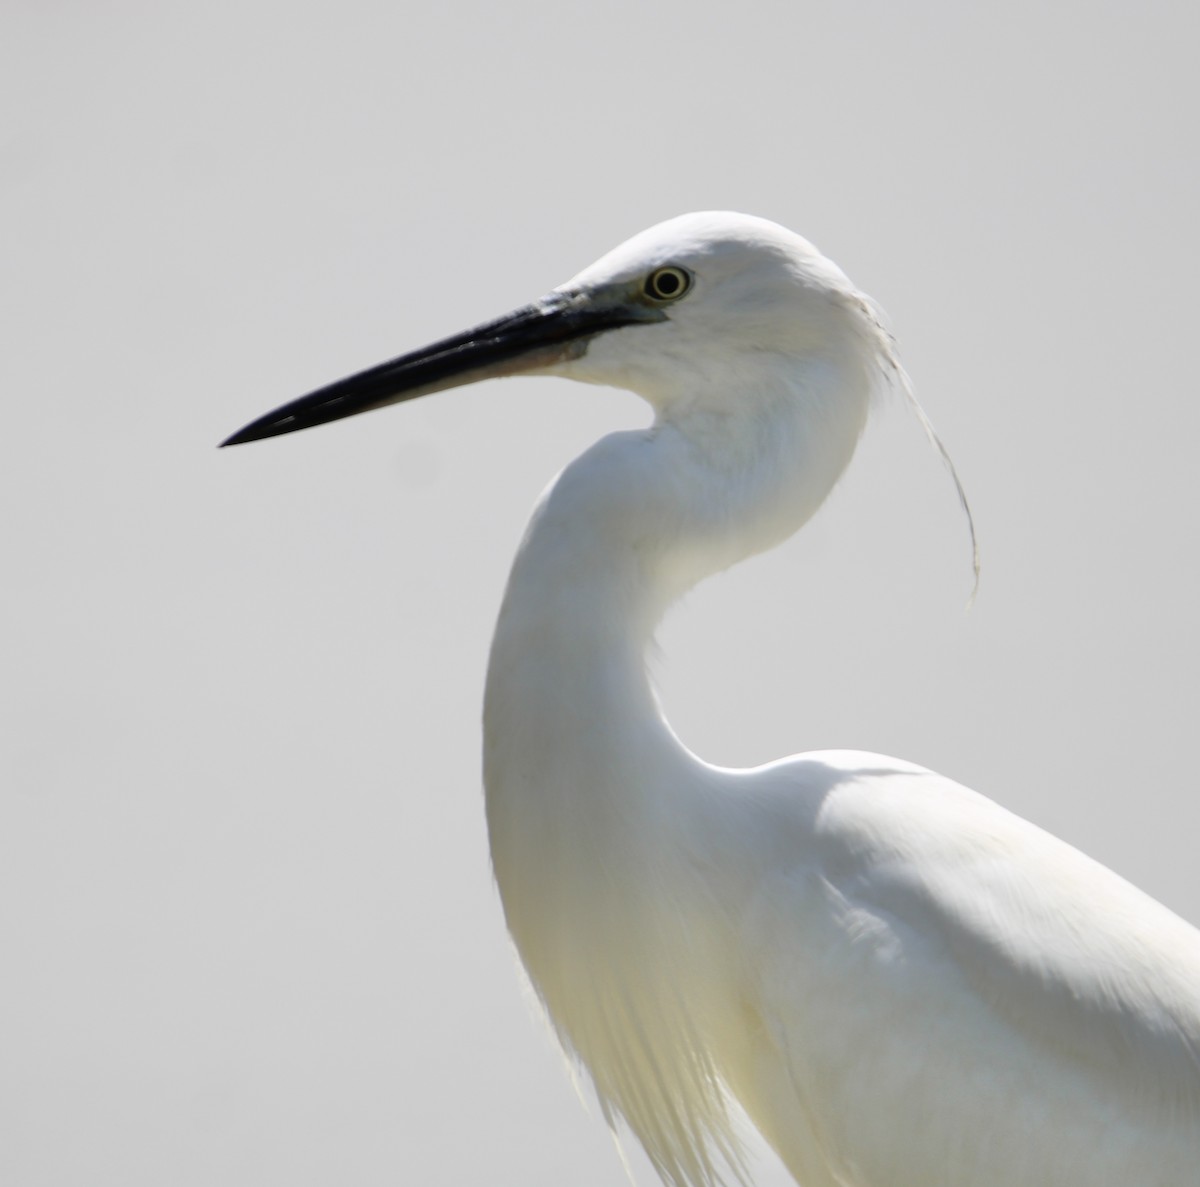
{"points": [[903, 984]]}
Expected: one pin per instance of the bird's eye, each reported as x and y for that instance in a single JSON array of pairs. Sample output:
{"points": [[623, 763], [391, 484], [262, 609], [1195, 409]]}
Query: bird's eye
{"points": [[667, 284]]}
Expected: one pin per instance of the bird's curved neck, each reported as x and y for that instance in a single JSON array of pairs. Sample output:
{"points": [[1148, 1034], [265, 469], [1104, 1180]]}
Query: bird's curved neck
{"points": [[624, 531], [600, 864]]}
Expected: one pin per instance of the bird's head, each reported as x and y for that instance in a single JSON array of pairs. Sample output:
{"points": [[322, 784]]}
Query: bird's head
{"points": [[704, 306], [722, 315], [735, 300]]}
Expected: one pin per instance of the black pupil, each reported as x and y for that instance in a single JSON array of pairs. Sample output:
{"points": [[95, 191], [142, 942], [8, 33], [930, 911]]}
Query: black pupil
{"points": [[667, 284]]}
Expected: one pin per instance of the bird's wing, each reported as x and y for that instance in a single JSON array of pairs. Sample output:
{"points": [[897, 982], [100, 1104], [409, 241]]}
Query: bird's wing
{"points": [[956, 962]]}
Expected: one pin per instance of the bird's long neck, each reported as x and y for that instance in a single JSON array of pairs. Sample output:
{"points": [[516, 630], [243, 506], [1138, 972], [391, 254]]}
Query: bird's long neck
{"points": [[578, 761], [611, 899]]}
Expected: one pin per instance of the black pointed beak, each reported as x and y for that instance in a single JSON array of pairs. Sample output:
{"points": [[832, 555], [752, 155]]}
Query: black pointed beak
{"points": [[552, 330]]}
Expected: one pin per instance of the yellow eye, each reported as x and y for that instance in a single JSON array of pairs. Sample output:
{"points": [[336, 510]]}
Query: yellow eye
{"points": [[667, 284]]}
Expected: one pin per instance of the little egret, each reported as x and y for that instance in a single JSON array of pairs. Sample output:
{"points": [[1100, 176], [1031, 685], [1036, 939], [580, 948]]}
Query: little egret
{"points": [[901, 983]]}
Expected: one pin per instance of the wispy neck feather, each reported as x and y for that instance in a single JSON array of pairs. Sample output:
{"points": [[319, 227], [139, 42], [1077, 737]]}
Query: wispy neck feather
{"points": [[611, 902]]}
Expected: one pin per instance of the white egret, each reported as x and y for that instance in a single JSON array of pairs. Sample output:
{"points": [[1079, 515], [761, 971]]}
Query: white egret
{"points": [[902, 983]]}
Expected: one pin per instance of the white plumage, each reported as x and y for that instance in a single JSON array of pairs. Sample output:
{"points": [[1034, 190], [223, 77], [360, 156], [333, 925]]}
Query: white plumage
{"points": [[901, 983]]}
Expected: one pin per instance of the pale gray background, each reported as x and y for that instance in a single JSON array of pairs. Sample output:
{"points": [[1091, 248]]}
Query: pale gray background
{"points": [[247, 928]]}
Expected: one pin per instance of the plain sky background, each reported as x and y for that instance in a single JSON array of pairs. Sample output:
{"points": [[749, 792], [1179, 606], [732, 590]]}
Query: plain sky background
{"points": [[247, 928]]}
